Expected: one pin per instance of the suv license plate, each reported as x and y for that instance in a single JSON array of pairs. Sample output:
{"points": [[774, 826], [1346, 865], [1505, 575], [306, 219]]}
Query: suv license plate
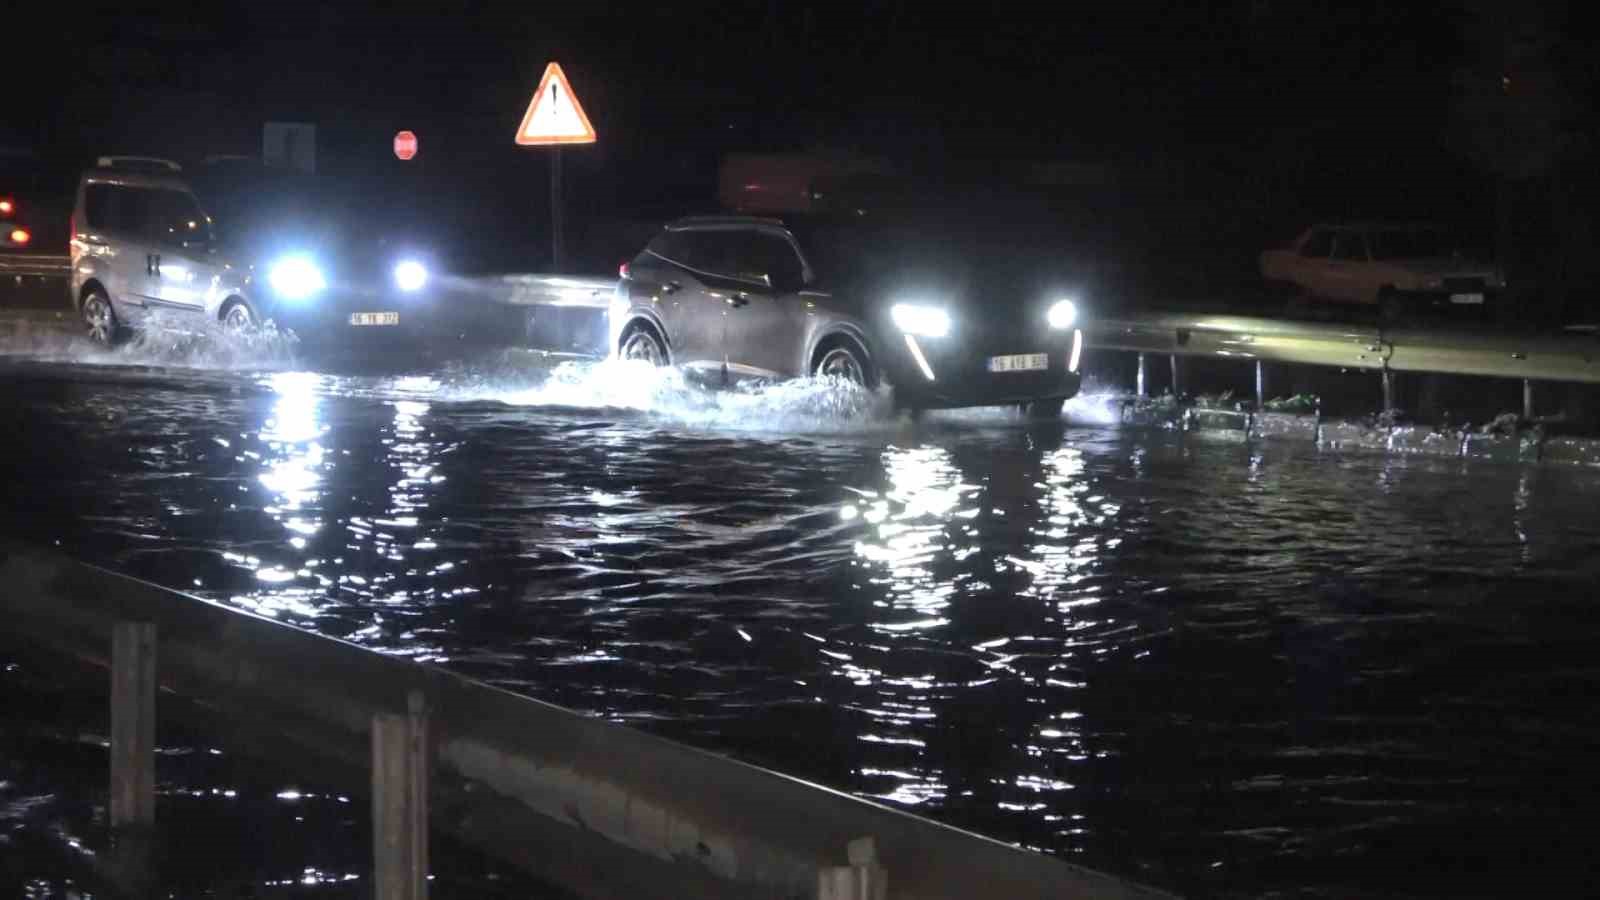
{"points": [[1021, 362], [375, 318], [1466, 298]]}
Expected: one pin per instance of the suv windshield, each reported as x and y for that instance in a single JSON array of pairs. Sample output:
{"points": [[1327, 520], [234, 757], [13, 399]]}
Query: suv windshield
{"points": [[1409, 243]]}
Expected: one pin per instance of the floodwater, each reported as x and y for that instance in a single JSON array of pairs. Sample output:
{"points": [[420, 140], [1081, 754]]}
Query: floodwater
{"points": [[1221, 669]]}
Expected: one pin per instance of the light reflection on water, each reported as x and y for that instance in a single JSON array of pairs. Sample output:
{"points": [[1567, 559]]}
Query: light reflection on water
{"points": [[1078, 640]]}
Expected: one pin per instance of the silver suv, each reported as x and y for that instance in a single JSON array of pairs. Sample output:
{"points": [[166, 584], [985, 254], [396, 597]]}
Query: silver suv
{"points": [[142, 242]]}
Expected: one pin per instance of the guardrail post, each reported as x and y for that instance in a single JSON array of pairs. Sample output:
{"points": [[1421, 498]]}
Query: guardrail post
{"points": [[400, 772], [1144, 367], [1177, 383], [1388, 390], [1261, 385], [863, 879], [1527, 399], [133, 724]]}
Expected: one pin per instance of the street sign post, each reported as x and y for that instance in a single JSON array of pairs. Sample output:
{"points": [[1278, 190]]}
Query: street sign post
{"points": [[555, 117], [405, 145]]}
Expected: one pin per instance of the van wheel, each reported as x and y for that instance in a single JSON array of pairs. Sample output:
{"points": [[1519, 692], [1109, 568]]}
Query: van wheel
{"points": [[237, 317], [100, 318], [641, 343]]}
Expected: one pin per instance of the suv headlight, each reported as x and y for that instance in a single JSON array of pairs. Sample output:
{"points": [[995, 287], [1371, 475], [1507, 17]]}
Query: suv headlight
{"points": [[296, 277], [919, 320], [1062, 314]]}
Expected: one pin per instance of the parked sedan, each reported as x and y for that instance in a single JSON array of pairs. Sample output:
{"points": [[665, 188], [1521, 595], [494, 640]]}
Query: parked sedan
{"points": [[1400, 268], [949, 317]]}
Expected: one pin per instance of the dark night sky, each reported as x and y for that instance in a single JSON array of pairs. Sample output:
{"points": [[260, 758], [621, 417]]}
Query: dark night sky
{"points": [[1320, 108], [893, 75]]}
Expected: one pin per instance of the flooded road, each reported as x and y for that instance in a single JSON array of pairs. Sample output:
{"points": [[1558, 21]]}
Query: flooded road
{"points": [[1219, 668]]}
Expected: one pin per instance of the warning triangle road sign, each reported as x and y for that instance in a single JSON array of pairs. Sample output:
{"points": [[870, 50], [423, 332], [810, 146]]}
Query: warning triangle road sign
{"points": [[554, 114]]}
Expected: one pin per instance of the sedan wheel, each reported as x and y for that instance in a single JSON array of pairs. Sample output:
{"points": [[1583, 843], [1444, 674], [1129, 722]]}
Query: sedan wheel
{"points": [[100, 319], [840, 362], [642, 344]]}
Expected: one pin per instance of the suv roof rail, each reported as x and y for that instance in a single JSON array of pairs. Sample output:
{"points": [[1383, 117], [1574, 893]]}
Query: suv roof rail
{"points": [[138, 164]]}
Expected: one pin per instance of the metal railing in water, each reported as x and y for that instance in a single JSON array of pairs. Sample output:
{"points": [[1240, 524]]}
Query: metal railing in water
{"points": [[599, 808], [1529, 358]]}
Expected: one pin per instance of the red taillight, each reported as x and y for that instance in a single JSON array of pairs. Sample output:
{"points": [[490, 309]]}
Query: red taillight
{"points": [[20, 236], [622, 271], [6, 206]]}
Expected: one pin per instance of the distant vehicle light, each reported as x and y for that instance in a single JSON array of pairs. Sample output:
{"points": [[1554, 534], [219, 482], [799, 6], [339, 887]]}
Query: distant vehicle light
{"points": [[922, 321], [7, 207], [20, 236], [1062, 314], [296, 278], [410, 275]]}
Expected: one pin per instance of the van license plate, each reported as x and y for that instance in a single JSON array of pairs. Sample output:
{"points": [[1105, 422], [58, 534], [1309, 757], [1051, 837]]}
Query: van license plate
{"points": [[1466, 298], [375, 318], [1020, 362]]}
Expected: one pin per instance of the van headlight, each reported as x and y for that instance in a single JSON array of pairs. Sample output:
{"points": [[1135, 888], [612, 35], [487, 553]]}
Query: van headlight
{"points": [[1062, 315], [922, 321], [410, 276], [296, 278]]}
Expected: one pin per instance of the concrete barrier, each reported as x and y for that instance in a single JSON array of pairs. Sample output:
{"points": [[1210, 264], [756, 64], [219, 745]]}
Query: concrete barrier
{"points": [[598, 808]]}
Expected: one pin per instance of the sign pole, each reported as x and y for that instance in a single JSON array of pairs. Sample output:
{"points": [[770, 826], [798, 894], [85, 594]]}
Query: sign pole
{"points": [[555, 117], [555, 209]]}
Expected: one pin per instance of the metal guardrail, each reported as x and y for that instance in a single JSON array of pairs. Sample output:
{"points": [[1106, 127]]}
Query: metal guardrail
{"points": [[1571, 357], [553, 290], [599, 808]]}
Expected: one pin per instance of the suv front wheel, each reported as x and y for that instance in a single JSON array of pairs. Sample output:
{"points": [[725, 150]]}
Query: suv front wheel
{"points": [[640, 343], [237, 317]]}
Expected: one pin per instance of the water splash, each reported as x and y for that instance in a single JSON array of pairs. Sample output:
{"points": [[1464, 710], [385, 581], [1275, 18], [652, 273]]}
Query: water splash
{"points": [[796, 405], [172, 339], [535, 381]]}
